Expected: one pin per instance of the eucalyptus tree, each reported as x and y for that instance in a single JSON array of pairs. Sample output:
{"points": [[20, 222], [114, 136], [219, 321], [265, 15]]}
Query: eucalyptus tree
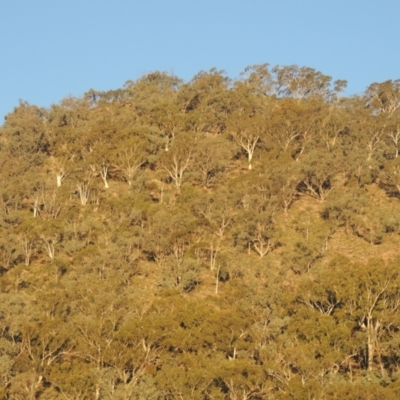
{"points": [[177, 161], [247, 131], [303, 82], [206, 101], [151, 90], [384, 97]]}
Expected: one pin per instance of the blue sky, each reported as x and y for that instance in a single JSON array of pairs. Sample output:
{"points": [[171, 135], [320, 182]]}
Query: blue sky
{"points": [[51, 49]]}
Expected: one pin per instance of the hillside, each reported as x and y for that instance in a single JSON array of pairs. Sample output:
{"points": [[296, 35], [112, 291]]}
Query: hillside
{"points": [[211, 239]]}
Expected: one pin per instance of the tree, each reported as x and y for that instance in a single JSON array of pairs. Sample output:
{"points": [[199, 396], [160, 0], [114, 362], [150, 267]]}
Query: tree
{"points": [[257, 232], [365, 301], [308, 243], [24, 133], [384, 97], [283, 180], [258, 79], [247, 130], [372, 300], [302, 82], [211, 158], [177, 161], [206, 102], [317, 174], [190, 276], [393, 135], [130, 160], [390, 177]]}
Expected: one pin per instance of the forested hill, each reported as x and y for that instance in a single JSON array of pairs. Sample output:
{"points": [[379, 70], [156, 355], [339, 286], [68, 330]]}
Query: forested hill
{"points": [[211, 239]]}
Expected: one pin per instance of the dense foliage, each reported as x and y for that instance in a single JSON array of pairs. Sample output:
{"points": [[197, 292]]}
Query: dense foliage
{"points": [[214, 239]]}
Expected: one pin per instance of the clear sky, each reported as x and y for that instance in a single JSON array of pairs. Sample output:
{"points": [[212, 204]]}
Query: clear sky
{"points": [[52, 48]]}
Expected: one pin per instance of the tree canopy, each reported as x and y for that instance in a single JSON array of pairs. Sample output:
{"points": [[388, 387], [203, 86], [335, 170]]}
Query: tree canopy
{"points": [[209, 239]]}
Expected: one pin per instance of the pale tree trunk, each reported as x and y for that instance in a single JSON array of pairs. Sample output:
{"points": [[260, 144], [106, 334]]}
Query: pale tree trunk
{"points": [[217, 278], [213, 256], [250, 157], [372, 326], [131, 162], [36, 209], [83, 192], [27, 246], [247, 142], [395, 137], [60, 176], [31, 385], [49, 245], [130, 173], [6, 256], [103, 174], [316, 191], [97, 393], [286, 204], [176, 169], [167, 144], [373, 143], [288, 136], [372, 335], [162, 193], [262, 247], [214, 250], [261, 243], [306, 137]]}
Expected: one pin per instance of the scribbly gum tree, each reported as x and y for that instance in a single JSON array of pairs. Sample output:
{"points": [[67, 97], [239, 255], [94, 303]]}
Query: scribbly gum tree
{"points": [[309, 242], [24, 133], [28, 240], [372, 300], [317, 174], [262, 241], [38, 345], [98, 151], [215, 221], [392, 139], [343, 209], [390, 177], [363, 299], [332, 126], [10, 250], [211, 158], [130, 159], [291, 126], [228, 337], [316, 325], [257, 80], [281, 178], [257, 231], [305, 82], [206, 102], [169, 121], [176, 248], [376, 132], [61, 164], [247, 130], [282, 128], [67, 124], [150, 90], [178, 160], [384, 97]]}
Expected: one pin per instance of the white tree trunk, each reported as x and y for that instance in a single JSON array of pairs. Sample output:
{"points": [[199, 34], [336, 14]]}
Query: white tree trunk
{"points": [[103, 173], [60, 176], [35, 206], [83, 192]]}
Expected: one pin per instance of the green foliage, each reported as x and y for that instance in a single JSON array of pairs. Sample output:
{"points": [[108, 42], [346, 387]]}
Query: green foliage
{"points": [[210, 239]]}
